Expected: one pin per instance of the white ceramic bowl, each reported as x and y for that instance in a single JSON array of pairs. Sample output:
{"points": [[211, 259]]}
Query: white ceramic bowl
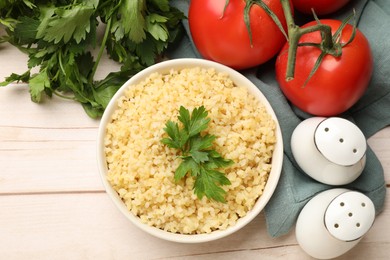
{"points": [[239, 79]]}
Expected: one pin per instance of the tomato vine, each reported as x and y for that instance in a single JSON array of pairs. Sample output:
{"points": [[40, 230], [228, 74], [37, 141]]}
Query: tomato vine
{"points": [[328, 45], [248, 5]]}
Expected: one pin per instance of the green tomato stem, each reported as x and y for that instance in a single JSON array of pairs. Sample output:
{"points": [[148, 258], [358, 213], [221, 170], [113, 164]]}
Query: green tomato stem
{"points": [[295, 33], [288, 13]]}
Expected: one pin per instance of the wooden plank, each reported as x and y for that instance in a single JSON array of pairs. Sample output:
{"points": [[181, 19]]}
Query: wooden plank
{"points": [[17, 110], [88, 226], [18, 137], [49, 167], [45, 147]]}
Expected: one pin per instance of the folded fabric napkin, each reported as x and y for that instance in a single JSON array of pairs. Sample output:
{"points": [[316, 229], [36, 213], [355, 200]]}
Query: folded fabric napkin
{"points": [[370, 114]]}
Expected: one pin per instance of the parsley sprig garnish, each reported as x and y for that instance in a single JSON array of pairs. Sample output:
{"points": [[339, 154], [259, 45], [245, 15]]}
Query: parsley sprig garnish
{"points": [[198, 157]]}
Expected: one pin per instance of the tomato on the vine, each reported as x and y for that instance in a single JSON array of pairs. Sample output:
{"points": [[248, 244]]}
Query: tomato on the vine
{"points": [[321, 7], [338, 83], [220, 33]]}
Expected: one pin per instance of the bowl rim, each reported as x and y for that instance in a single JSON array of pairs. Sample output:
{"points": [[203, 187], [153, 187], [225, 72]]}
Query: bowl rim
{"points": [[277, 157]]}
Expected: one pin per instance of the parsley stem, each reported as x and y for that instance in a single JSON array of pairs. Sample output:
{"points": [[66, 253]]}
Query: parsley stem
{"points": [[63, 96], [60, 62], [101, 50]]}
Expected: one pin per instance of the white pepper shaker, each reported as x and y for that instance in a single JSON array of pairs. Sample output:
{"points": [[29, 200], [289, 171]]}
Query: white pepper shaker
{"points": [[333, 222], [330, 150]]}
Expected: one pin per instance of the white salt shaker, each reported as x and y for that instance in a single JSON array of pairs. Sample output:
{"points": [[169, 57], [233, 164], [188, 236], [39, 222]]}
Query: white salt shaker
{"points": [[330, 150], [333, 222]]}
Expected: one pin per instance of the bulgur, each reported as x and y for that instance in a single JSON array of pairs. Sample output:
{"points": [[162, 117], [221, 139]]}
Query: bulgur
{"points": [[141, 168]]}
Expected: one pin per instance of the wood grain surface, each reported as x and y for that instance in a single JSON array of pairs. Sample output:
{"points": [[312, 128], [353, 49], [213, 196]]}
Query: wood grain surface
{"points": [[53, 204]]}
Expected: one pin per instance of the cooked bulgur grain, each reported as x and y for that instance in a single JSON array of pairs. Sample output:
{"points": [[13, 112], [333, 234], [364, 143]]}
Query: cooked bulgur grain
{"points": [[141, 168]]}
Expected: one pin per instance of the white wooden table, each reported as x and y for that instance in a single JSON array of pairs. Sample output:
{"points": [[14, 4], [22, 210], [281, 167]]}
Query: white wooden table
{"points": [[53, 204]]}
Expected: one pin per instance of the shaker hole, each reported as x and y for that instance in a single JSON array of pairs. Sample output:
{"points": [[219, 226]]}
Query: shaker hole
{"points": [[341, 140], [363, 204], [350, 214], [337, 225], [354, 150], [342, 204], [358, 224], [326, 129]]}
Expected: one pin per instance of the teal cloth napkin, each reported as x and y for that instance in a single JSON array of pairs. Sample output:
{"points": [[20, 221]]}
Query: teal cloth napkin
{"points": [[371, 114]]}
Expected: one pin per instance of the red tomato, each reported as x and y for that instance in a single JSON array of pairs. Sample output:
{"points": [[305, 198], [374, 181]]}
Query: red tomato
{"points": [[223, 37], [337, 84], [321, 7]]}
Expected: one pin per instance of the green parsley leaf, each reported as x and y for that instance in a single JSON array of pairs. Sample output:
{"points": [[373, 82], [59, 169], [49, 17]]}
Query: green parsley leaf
{"points": [[38, 83], [155, 24], [16, 78], [207, 182], [177, 138], [199, 142], [146, 51], [107, 87], [68, 23], [188, 165], [199, 145], [195, 123], [26, 30], [198, 157], [217, 161], [132, 21], [163, 5], [29, 4]]}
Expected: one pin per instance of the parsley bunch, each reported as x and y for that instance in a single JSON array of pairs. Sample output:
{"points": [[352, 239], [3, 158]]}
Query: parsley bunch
{"points": [[59, 35], [198, 158]]}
